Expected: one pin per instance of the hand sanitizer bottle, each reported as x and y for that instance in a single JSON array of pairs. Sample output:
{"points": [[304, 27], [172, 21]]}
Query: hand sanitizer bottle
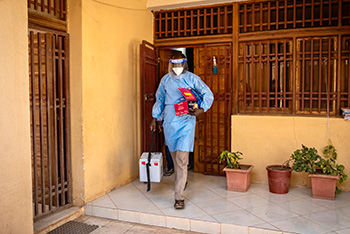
{"points": [[215, 68]]}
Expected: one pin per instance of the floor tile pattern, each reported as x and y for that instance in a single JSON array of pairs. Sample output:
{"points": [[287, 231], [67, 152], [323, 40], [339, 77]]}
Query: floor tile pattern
{"points": [[210, 208]]}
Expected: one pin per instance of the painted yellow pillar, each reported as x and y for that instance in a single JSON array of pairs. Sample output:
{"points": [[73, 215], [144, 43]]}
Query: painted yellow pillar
{"points": [[16, 215], [111, 34]]}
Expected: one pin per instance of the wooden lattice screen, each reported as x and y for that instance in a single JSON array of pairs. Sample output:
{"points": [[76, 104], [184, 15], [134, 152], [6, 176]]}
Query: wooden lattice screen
{"points": [[265, 76], [213, 20], [52, 8], [316, 75], [345, 12], [289, 14], [345, 73], [50, 131]]}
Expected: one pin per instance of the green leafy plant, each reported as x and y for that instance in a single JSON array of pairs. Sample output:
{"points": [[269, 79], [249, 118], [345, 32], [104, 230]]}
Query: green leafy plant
{"points": [[231, 159], [308, 160], [305, 159], [329, 166]]}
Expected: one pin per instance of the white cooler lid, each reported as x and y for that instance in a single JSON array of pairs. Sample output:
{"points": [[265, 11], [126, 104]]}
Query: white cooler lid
{"points": [[155, 155]]}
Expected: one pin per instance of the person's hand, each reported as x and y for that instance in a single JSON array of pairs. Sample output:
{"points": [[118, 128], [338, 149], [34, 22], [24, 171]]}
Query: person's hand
{"points": [[196, 112], [153, 125], [160, 126]]}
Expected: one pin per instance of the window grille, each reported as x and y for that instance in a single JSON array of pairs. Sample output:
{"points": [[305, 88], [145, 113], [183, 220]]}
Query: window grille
{"points": [[265, 76], [345, 72], [51, 8], [288, 14], [345, 12], [213, 20], [316, 75], [50, 131]]}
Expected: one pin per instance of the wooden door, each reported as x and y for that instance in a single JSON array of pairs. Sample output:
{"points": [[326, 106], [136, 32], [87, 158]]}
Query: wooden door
{"points": [[149, 84], [213, 129], [164, 57]]}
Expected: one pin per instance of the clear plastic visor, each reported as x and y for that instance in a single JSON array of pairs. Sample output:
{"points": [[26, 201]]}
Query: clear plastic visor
{"points": [[178, 66], [177, 62]]}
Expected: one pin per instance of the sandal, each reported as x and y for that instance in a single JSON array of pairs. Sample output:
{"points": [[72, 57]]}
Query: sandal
{"points": [[168, 172], [179, 204]]}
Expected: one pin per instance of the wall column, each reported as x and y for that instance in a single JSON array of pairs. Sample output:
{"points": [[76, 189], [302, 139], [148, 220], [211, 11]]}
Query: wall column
{"points": [[16, 214]]}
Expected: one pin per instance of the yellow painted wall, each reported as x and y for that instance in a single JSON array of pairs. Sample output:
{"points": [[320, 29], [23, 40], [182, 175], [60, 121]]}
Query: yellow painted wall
{"points": [[77, 146], [111, 34], [266, 140], [15, 167]]}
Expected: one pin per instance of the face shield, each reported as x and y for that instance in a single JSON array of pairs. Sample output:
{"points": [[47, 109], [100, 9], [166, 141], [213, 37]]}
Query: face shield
{"points": [[178, 66]]}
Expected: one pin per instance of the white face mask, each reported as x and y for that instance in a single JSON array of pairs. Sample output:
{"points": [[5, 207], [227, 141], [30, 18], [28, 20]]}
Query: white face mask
{"points": [[178, 70]]}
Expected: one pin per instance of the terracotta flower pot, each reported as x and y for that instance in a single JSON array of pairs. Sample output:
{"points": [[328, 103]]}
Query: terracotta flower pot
{"points": [[323, 186], [238, 179], [278, 178]]}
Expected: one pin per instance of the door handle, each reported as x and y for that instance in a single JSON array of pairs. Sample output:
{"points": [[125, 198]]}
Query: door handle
{"points": [[148, 97]]}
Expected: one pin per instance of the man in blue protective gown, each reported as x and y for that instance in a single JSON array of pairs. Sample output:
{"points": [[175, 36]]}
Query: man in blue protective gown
{"points": [[179, 130]]}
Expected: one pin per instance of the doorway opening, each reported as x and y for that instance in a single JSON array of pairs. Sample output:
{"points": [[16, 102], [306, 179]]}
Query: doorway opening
{"points": [[164, 56], [213, 128]]}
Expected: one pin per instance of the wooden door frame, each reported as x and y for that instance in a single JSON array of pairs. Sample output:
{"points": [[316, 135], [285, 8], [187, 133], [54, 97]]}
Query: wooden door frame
{"points": [[203, 44], [201, 41]]}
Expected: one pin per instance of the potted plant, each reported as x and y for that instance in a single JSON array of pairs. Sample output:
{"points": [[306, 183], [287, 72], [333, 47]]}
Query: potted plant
{"points": [[279, 177], [305, 159], [237, 175], [323, 171]]}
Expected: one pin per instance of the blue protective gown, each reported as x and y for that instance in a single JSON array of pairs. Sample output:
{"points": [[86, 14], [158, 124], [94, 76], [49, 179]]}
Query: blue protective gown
{"points": [[179, 130]]}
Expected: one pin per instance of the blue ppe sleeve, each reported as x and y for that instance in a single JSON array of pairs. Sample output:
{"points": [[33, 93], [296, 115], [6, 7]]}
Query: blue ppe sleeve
{"points": [[161, 117], [158, 107], [206, 93]]}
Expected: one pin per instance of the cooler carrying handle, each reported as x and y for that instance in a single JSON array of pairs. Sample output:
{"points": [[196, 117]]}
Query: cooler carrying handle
{"points": [[151, 148]]}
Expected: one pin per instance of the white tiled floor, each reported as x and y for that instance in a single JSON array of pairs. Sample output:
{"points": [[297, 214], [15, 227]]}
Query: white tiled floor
{"points": [[108, 226], [211, 208]]}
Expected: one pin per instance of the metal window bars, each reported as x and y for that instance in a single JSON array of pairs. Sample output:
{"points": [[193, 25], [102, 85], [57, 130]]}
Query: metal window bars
{"points": [[316, 83], [344, 81], [52, 8], [345, 11], [50, 131], [265, 77], [214, 20], [289, 14]]}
